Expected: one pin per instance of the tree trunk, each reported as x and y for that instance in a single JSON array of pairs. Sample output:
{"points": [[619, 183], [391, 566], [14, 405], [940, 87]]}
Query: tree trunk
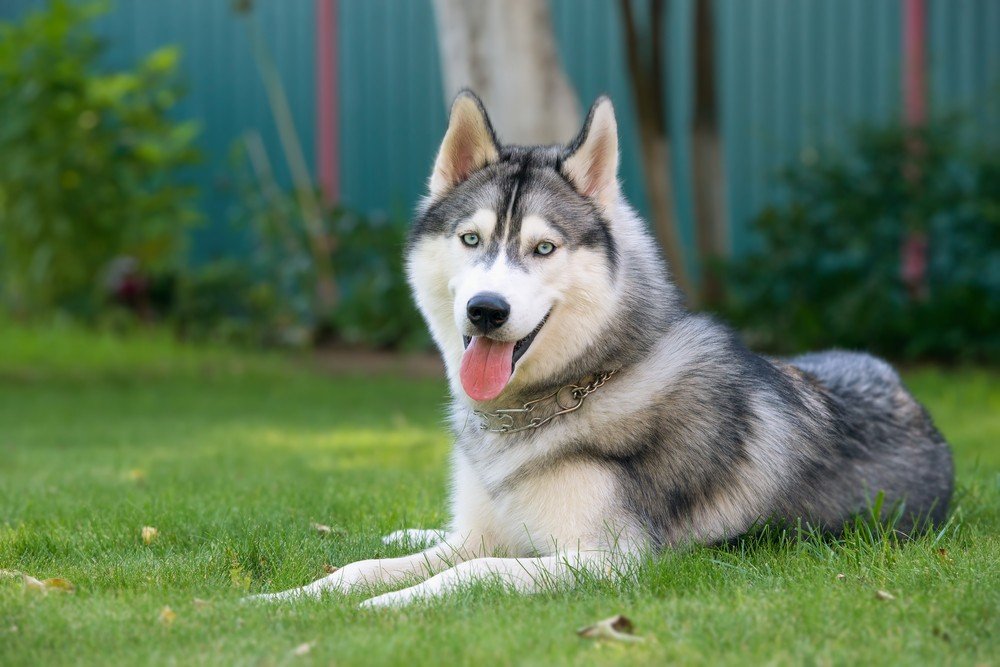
{"points": [[644, 53], [707, 161], [506, 53]]}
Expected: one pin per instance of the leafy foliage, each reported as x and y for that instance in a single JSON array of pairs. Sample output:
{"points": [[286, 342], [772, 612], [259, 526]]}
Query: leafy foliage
{"points": [[90, 160], [829, 270], [375, 306], [269, 299], [224, 302]]}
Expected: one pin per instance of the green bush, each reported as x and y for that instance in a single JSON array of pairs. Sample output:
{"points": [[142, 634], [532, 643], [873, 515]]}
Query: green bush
{"points": [[376, 307], [90, 161], [828, 269], [224, 302], [268, 297]]}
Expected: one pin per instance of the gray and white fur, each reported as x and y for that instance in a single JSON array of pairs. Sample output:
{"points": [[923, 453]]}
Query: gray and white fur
{"points": [[694, 439]]}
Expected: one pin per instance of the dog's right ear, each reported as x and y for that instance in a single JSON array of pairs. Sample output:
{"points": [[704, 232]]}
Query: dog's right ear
{"points": [[469, 144], [592, 163]]}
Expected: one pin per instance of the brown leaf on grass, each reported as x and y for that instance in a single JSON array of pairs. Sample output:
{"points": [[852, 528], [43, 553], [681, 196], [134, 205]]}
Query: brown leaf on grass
{"points": [[59, 584], [303, 648], [330, 569], [149, 534], [324, 529], [167, 616], [618, 628], [36, 585], [884, 595], [943, 555]]}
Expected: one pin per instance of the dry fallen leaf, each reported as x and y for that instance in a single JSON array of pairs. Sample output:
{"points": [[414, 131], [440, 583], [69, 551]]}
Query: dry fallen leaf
{"points": [[167, 616], [59, 584], [149, 534], [199, 603], [884, 595], [330, 569], [943, 555], [302, 649], [618, 627], [321, 529], [37, 585]]}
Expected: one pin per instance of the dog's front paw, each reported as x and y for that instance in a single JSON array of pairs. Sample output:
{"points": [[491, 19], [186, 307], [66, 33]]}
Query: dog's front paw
{"points": [[392, 600], [348, 579], [291, 594], [333, 582], [426, 590]]}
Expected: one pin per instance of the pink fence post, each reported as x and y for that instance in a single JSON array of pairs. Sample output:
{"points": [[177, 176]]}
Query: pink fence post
{"points": [[327, 112], [915, 62], [913, 254]]}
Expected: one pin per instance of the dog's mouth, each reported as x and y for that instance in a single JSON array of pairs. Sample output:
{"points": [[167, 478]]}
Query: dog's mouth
{"points": [[487, 364], [520, 347]]}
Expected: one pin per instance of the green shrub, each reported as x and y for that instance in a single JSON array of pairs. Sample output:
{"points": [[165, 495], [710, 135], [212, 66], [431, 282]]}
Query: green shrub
{"points": [[90, 160], [828, 269], [376, 307], [224, 302], [268, 297]]}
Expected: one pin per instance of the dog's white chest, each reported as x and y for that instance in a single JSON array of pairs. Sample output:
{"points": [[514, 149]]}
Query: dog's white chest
{"points": [[533, 506]]}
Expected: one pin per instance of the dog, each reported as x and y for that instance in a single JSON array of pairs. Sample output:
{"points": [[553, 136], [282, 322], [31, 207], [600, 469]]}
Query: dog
{"points": [[595, 417]]}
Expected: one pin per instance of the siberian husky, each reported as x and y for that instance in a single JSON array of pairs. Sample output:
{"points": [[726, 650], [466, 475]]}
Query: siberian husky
{"points": [[595, 418]]}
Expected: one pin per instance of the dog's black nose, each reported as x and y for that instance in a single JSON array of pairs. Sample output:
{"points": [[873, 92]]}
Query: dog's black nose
{"points": [[488, 311]]}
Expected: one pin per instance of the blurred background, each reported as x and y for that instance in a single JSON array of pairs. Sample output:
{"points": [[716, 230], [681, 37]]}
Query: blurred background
{"points": [[820, 173]]}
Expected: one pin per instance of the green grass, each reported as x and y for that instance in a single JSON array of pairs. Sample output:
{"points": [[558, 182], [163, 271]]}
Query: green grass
{"points": [[232, 456]]}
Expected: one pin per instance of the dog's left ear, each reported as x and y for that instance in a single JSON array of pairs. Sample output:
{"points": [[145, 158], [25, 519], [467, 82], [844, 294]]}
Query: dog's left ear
{"points": [[469, 144], [592, 160]]}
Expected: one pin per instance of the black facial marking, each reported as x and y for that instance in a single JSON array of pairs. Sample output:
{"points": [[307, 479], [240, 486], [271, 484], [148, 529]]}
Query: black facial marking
{"points": [[523, 181]]}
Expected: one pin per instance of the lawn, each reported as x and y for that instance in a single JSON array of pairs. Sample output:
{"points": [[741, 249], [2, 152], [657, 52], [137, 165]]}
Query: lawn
{"points": [[232, 457]]}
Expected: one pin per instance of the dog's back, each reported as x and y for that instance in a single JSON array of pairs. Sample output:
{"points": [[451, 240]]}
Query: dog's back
{"points": [[884, 439]]}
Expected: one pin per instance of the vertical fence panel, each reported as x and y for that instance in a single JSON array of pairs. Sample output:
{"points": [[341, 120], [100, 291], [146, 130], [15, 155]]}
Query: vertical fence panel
{"points": [[391, 101]]}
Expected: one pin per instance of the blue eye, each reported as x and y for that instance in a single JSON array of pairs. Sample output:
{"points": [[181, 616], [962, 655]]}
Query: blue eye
{"points": [[471, 240], [545, 248]]}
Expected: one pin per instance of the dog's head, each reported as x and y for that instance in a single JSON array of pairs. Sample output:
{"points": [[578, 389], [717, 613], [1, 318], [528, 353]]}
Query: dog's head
{"points": [[513, 254]]}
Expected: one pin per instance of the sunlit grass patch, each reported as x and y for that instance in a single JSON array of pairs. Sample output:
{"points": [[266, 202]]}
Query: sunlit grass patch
{"points": [[233, 457]]}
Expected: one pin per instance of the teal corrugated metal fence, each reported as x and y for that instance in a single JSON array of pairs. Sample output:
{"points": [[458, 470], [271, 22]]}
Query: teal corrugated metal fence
{"points": [[794, 75]]}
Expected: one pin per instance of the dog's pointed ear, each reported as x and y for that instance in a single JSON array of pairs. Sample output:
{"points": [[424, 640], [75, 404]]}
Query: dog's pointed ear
{"points": [[469, 144], [591, 163]]}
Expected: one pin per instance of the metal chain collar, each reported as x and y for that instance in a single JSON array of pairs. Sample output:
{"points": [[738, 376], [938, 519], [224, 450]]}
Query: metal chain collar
{"points": [[568, 399]]}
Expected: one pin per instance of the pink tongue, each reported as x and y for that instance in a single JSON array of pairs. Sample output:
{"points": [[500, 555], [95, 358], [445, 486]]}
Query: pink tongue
{"points": [[486, 368]]}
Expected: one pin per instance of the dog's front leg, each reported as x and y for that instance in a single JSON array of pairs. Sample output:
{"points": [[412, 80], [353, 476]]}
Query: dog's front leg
{"points": [[454, 549], [526, 575]]}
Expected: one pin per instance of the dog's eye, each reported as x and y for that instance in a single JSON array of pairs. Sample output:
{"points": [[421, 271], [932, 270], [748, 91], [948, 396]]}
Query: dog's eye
{"points": [[544, 248], [471, 240]]}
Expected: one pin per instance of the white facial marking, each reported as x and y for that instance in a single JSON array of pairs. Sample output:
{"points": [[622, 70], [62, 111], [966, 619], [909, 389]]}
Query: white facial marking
{"points": [[534, 230], [483, 222]]}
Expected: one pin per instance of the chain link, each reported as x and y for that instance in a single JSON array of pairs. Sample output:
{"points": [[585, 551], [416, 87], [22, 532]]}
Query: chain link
{"points": [[568, 399]]}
